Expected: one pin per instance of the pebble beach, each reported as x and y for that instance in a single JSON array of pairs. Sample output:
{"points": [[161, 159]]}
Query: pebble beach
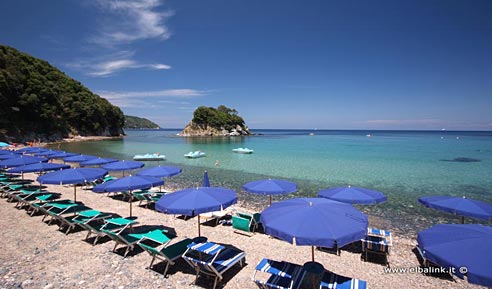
{"points": [[37, 255]]}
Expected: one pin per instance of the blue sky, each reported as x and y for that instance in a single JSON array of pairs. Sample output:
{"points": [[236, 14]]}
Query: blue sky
{"points": [[282, 64]]}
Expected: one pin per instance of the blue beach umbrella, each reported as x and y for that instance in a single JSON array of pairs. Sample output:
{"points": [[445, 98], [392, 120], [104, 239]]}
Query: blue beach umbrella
{"points": [[79, 158], [72, 177], [97, 162], [459, 206], [39, 167], [47, 153], [128, 183], [20, 161], [31, 150], [353, 195], [460, 246], [195, 201], [61, 155], [8, 156], [314, 222], [5, 152], [270, 187], [160, 172], [206, 180], [123, 166]]}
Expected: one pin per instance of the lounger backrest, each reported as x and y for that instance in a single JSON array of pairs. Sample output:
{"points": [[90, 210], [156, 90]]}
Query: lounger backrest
{"points": [[175, 250], [241, 223]]}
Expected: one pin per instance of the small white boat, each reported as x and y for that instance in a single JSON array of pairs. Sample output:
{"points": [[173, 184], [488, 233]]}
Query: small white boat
{"points": [[243, 151], [194, 155], [149, 157]]}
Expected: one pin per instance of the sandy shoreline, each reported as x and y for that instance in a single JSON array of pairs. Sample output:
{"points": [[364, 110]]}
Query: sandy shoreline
{"points": [[36, 255]]}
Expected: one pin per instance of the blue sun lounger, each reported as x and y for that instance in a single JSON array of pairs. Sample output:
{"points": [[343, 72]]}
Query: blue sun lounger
{"points": [[279, 275], [377, 241], [331, 280], [212, 259]]}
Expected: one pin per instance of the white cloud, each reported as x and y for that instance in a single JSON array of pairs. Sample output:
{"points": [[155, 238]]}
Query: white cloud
{"points": [[131, 20], [118, 61], [154, 98]]}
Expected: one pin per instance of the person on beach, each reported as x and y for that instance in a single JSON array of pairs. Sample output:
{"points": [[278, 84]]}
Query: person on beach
{"points": [[217, 163]]}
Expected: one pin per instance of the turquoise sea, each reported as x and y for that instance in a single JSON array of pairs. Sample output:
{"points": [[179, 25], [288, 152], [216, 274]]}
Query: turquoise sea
{"points": [[403, 164]]}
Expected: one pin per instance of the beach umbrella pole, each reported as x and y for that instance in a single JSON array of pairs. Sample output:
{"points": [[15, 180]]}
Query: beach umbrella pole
{"points": [[462, 219], [75, 193], [312, 253], [130, 200], [270, 200], [199, 234]]}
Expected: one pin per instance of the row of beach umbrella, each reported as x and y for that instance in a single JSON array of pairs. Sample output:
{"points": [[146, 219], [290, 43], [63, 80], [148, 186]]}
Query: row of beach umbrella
{"points": [[337, 222]]}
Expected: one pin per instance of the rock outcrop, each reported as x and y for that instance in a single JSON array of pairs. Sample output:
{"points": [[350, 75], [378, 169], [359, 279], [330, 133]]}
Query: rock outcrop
{"points": [[193, 129]]}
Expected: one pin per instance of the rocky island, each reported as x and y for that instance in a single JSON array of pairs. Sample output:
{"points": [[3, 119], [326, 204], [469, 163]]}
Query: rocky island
{"points": [[220, 121]]}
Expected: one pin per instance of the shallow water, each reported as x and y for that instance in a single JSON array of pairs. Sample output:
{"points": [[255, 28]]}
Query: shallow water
{"points": [[402, 164]]}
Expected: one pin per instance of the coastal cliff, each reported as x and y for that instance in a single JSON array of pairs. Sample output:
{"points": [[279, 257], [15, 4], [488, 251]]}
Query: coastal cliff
{"points": [[221, 121], [40, 102]]}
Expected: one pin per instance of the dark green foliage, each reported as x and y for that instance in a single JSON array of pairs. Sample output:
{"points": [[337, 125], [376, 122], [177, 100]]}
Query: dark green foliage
{"points": [[38, 100], [139, 122], [221, 117]]}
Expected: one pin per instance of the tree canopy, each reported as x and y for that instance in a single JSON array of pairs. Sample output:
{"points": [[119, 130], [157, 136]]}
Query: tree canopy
{"points": [[220, 117], [139, 122], [38, 100]]}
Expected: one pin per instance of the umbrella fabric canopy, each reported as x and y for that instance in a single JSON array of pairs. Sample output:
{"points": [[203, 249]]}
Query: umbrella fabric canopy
{"points": [[195, 201], [270, 187], [5, 152], [61, 155], [20, 161], [123, 166], [47, 153], [72, 176], [30, 150], [457, 246], [97, 162], [39, 167], [79, 158], [459, 206], [3, 144], [160, 172], [129, 183], [353, 195], [206, 180], [314, 222], [8, 156]]}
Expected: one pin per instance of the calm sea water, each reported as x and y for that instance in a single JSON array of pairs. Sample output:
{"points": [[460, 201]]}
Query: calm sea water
{"points": [[403, 164]]}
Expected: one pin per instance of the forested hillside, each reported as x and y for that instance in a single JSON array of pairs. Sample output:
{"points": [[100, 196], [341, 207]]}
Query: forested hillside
{"points": [[39, 101]]}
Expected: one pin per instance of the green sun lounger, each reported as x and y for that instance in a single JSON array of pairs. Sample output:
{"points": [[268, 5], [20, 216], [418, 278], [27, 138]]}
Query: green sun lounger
{"points": [[24, 197], [168, 254], [130, 240], [56, 209], [245, 223], [98, 227], [80, 219]]}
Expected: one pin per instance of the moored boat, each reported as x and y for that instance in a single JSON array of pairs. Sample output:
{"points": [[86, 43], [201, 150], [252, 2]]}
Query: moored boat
{"points": [[243, 151], [149, 157], [194, 155]]}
